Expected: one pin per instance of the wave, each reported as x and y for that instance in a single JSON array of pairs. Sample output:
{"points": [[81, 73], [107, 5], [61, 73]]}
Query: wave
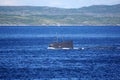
{"points": [[37, 48], [90, 48], [97, 48]]}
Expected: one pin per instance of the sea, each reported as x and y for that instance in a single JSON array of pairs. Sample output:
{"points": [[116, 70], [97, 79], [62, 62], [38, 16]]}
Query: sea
{"points": [[24, 53]]}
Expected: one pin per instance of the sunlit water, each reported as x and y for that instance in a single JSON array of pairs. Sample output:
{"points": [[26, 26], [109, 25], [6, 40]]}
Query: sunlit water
{"points": [[24, 53]]}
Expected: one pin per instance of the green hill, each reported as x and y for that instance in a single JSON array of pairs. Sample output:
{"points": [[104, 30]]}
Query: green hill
{"points": [[33, 15]]}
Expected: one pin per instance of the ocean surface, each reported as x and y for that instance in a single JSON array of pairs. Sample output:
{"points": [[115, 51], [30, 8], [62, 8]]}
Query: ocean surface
{"points": [[24, 54]]}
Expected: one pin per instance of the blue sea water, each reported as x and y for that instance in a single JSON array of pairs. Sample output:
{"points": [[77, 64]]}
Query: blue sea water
{"points": [[24, 54]]}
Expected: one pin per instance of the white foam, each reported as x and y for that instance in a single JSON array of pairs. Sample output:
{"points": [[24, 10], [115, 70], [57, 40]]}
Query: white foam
{"points": [[50, 48], [75, 48], [66, 48], [58, 48], [82, 48]]}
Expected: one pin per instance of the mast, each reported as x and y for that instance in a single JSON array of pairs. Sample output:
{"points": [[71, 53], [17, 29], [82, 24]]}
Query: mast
{"points": [[62, 38], [56, 37]]}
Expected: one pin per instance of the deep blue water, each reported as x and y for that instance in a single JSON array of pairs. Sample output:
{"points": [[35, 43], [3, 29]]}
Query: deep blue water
{"points": [[24, 53]]}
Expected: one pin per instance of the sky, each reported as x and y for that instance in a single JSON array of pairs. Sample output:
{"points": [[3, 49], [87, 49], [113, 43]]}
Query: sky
{"points": [[58, 3]]}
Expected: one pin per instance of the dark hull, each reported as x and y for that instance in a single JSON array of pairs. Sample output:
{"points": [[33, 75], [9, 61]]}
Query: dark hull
{"points": [[61, 45]]}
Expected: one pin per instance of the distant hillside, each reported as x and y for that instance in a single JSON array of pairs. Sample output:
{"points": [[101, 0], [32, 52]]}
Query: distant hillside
{"points": [[31, 15], [101, 9]]}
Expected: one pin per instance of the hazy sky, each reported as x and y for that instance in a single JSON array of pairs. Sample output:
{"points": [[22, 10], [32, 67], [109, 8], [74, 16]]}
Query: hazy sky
{"points": [[58, 3]]}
